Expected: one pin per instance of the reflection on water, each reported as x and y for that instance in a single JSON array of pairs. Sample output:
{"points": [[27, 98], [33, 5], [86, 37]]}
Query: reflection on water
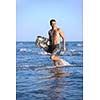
{"points": [[54, 85], [57, 88], [51, 84]]}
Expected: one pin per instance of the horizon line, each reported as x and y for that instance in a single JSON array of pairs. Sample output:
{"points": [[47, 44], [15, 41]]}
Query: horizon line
{"points": [[65, 41]]}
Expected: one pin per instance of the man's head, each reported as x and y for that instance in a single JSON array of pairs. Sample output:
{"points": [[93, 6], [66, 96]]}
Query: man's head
{"points": [[52, 22]]}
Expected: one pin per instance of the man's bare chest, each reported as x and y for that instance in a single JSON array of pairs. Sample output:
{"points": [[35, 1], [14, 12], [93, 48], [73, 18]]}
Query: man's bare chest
{"points": [[54, 33]]}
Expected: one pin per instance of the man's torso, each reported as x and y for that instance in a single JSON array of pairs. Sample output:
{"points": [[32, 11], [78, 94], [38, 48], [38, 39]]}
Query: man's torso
{"points": [[54, 36]]}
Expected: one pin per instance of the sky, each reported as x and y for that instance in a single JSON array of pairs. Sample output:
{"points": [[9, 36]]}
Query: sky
{"points": [[33, 17]]}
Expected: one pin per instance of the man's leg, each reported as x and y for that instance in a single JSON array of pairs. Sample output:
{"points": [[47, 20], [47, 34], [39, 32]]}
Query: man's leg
{"points": [[55, 59], [54, 55], [55, 62]]}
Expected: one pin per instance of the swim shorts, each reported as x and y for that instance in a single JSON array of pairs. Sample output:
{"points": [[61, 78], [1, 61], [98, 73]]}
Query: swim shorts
{"points": [[55, 49]]}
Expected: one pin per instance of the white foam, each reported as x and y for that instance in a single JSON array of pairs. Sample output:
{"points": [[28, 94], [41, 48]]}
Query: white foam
{"points": [[79, 45], [72, 50], [44, 53], [25, 50], [65, 63]]}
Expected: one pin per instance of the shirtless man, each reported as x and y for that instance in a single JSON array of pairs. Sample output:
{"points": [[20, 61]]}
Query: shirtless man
{"points": [[55, 34]]}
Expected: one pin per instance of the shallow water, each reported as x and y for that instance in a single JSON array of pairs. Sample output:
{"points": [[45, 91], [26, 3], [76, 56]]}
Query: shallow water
{"points": [[37, 79]]}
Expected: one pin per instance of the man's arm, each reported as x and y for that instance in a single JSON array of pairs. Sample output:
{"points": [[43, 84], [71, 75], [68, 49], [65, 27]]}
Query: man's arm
{"points": [[63, 38]]}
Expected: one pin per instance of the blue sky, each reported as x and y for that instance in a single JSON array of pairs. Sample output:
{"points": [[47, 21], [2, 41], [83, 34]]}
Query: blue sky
{"points": [[33, 16]]}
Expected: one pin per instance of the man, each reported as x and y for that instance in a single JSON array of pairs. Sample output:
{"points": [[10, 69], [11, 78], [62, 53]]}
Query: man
{"points": [[55, 34]]}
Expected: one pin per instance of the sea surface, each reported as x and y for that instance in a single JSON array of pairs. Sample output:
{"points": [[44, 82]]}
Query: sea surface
{"points": [[38, 79]]}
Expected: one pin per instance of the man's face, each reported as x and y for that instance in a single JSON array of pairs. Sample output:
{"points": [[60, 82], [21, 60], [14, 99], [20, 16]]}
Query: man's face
{"points": [[53, 23]]}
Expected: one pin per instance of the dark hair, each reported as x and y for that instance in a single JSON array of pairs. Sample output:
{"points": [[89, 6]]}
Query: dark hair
{"points": [[52, 20]]}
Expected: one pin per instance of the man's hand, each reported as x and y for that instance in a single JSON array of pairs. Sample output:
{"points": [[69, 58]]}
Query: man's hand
{"points": [[65, 49]]}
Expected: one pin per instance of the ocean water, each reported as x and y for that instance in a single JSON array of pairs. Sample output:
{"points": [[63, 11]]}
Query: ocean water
{"points": [[38, 79]]}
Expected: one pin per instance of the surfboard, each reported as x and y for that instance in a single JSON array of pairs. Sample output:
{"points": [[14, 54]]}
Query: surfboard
{"points": [[43, 42]]}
